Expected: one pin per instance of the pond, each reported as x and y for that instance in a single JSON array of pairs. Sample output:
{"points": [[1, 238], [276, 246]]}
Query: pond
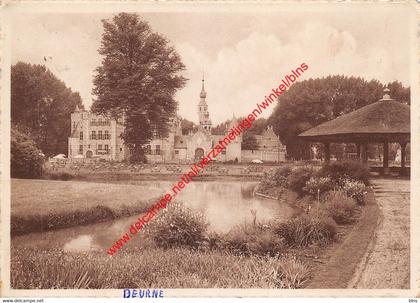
{"points": [[224, 205]]}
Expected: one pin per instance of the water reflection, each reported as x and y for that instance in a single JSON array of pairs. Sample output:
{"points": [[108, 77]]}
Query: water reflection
{"points": [[81, 243], [223, 204]]}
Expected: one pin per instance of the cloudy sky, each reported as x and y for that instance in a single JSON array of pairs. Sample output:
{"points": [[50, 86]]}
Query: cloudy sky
{"points": [[242, 55]]}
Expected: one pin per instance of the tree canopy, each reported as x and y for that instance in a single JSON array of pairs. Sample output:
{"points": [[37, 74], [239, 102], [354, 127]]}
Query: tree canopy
{"points": [[187, 126], [249, 141], [41, 105], [138, 78], [314, 101], [26, 160]]}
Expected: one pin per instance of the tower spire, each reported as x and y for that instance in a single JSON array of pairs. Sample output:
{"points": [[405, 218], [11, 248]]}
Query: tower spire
{"points": [[203, 93], [203, 112]]}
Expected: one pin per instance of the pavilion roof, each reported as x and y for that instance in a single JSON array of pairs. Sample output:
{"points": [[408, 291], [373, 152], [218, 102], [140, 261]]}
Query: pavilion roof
{"points": [[385, 119]]}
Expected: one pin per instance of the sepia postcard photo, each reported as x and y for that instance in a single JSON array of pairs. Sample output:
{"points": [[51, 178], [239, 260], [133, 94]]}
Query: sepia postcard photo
{"points": [[201, 149]]}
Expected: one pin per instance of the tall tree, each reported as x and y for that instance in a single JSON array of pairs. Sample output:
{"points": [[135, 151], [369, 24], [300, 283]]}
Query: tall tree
{"points": [[221, 128], [249, 141], [138, 79], [187, 126], [41, 105], [314, 101]]}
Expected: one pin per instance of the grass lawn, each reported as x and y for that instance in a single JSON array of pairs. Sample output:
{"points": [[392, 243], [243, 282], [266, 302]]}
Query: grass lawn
{"points": [[45, 204], [150, 268]]}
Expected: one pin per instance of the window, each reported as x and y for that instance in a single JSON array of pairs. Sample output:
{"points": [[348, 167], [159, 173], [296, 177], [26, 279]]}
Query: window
{"points": [[93, 136], [106, 135], [157, 149], [100, 122], [120, 149], [99, 146], [99, 134], [81, 135], [80, 149], [106, 148], [176, 152], [89, 146]]}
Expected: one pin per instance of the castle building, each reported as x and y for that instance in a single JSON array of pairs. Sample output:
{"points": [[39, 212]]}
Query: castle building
{"points": [[179, 148], [96, 136]]}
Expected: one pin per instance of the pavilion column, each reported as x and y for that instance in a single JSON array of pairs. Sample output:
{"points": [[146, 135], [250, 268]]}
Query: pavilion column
{"points": [[386, 156], [403, 153], [364, 152], [327, 151], [358, 150]]}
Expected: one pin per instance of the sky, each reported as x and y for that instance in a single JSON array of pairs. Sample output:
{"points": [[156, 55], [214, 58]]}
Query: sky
{"points": [[241, 55]]}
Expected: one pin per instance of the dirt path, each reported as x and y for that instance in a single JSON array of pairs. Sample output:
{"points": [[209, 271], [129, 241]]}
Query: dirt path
{"points": [[387, 262]]}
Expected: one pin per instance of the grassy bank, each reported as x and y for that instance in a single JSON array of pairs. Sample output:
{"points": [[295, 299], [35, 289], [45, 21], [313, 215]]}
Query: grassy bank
{"points": [[131, 176], [40, 205], [150, 268], [346, 255]]}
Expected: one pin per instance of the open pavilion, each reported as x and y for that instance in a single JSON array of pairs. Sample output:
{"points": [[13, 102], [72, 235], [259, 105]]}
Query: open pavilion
{"points": [[385, 121]]}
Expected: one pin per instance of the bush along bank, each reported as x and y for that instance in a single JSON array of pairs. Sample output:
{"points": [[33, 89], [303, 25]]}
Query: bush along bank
{"points": [[331, 196], [23, 224]]}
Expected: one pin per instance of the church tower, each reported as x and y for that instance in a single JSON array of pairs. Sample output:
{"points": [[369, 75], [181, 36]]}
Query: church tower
{"points": [[203, 113]]}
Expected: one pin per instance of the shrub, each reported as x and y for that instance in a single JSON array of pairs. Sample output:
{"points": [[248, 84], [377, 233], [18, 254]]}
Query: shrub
{"points": [[247, 239], [281, 174], [274, 183], [354, 170], [356, 190], [297, 179], [26, 159], [292, 273], [267, 181], [340, 207], [277, 177], [305, 230], [178, 226], [318, 185]]}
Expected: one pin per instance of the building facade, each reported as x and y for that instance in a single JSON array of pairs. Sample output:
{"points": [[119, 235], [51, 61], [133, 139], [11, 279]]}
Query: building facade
{"points": [[270, 149], [96, 136], [179, 148]]}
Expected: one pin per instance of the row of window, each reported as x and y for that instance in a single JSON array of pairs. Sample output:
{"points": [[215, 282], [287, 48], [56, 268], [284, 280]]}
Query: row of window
{"points": [[100, 122], [148, 150], [106, 148], [99, 136]]}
